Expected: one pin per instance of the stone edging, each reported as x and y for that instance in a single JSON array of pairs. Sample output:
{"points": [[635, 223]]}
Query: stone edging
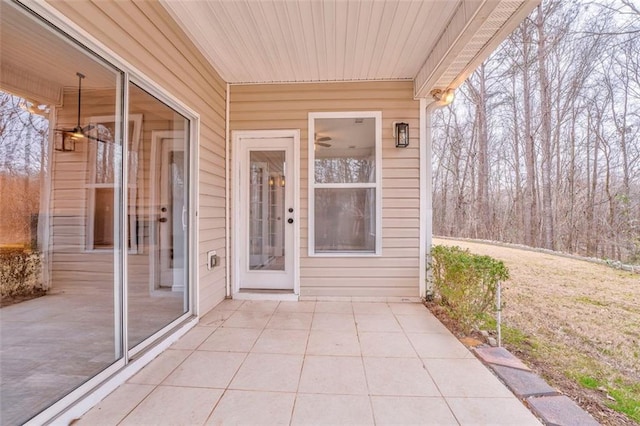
{"points": [[552, 407]]}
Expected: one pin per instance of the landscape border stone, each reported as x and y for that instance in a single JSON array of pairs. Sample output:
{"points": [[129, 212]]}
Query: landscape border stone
{"points": [[552, 407], [560, 410], [524, 384], [500, 356]]}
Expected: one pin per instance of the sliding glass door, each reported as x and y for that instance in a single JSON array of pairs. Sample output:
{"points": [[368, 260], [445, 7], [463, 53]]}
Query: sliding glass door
{"points": [[94, 217]]}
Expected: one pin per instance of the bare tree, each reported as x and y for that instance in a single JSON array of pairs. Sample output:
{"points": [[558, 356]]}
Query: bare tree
{"points": [[542, 146], [23, 142]]}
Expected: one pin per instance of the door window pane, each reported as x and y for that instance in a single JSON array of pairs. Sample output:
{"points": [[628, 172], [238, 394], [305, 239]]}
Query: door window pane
{"points": [[158, 201], [267, 210]]}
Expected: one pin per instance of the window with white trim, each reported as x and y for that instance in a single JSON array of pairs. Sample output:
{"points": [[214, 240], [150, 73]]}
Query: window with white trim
{"points": [[104, 154], [345, 211]]}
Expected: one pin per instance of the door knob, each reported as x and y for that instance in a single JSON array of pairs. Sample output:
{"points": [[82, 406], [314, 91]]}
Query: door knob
{"points": [[290, 209], [290, 220]]}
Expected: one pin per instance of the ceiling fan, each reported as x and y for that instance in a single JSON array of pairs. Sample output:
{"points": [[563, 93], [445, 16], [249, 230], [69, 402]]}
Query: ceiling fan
{"points": [[79, 132], [322, 141]]}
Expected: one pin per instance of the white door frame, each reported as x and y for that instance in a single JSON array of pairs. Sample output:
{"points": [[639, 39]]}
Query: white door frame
{"points": [[237, 245], [157, 136]]}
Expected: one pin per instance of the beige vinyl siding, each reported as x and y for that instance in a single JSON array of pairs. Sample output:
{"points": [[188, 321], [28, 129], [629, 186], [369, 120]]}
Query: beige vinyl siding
{"points": [[71, 265], [144, 34], [286, 106], [71, 195]]}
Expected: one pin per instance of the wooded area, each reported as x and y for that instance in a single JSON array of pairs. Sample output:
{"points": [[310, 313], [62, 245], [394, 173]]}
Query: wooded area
{"points": [[542, 145], [23, 162]]}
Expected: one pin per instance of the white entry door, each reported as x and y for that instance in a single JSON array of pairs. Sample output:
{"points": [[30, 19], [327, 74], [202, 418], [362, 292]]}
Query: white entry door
{"points": [[266, 214]]}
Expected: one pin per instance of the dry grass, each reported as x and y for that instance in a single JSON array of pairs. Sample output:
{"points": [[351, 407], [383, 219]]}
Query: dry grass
{"points": [[581, 321]]}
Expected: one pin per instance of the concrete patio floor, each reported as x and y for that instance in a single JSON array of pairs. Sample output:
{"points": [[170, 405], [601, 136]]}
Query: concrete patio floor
{"points": [[266, 362], [52, 344]]}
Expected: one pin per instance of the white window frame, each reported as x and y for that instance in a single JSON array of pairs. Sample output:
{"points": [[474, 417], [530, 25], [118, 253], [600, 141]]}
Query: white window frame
{"points": [[377, 185], [135, 120]]}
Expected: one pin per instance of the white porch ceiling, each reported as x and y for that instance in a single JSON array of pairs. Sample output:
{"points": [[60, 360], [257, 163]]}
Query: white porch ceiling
{"points": [[433, 42], [26, 65]]}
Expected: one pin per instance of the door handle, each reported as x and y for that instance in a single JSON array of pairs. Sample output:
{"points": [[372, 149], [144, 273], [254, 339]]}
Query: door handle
{"points": [[162, 219], [290, 220]]}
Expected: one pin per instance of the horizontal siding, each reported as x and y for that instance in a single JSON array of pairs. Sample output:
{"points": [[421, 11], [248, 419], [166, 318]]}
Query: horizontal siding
{"points": [[359, 281], [347, 291], [395, 273], [357, 262], [146, 36]]}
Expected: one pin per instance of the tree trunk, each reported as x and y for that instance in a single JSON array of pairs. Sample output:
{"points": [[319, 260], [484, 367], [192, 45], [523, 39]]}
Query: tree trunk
{"points": [[482, 195], [545, 134], [529, 146]]}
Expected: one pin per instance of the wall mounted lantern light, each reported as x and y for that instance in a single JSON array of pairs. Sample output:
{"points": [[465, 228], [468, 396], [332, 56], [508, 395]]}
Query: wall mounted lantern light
{"points": [[65, 141], [401, 134]]}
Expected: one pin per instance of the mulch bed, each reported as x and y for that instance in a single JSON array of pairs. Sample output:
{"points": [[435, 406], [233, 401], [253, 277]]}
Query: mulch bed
{"points": [[453, 325]]}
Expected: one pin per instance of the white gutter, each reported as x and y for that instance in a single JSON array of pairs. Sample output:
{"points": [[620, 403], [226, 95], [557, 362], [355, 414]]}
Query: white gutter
{"points": [[227, 197], [426, 192]]}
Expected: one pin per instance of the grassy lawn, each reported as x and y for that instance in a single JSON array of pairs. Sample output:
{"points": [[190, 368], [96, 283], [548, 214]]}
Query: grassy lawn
{"points": [[577, 324]]}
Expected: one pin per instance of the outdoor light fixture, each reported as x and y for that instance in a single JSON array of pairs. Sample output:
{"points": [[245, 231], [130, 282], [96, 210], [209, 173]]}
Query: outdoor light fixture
{"points": [[443, 97], [401, 133], [65, 141]]}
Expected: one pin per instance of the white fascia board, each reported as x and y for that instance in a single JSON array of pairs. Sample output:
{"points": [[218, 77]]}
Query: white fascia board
{"points": [[501, 35], [469, 24]]}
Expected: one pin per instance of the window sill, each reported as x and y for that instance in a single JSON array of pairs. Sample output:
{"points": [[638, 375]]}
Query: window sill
{"points": [[346, 254]]}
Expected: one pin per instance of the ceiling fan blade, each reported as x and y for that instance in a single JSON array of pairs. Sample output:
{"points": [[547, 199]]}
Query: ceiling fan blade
{"points": [[323, 144], [88, 128]]}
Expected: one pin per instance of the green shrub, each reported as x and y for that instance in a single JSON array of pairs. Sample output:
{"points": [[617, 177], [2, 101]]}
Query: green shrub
{"points": [[465, 284], [20, 272]]}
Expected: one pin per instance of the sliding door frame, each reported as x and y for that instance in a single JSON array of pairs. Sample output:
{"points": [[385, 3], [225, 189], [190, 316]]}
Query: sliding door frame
{"points": [[86, 393]]}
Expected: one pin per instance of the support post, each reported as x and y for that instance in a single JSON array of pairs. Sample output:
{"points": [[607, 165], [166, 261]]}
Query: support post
{"points": [[499, 311]]}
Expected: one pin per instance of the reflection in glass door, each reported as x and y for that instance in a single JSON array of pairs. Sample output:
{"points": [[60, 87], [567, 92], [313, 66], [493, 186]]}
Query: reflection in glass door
{"points": [[172, 220], [79, 222], [157, 272]]}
